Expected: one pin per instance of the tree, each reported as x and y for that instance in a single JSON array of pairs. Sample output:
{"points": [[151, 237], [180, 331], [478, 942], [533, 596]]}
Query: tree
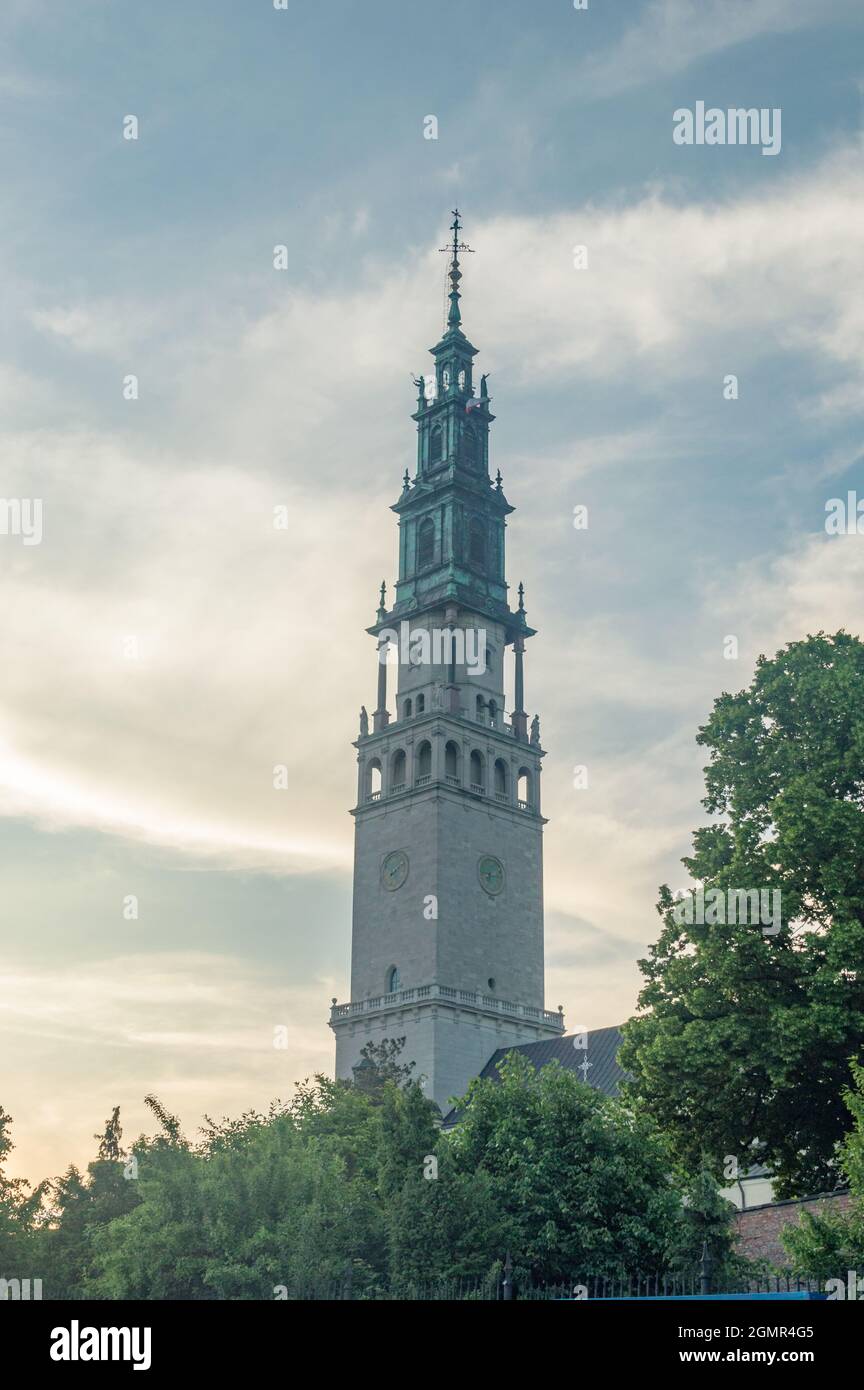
{"points": [[284, 1201], [379, 1063], [829, 1243], [407, 1135], [581, 1181], [77, 1208], [707, 1219], [744, 1048], [18, 1211], [446, 1224], [109, 1142]]}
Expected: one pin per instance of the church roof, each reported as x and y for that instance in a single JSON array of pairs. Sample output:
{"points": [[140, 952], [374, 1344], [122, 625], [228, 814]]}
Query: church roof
{"points": [[602, 1072]]}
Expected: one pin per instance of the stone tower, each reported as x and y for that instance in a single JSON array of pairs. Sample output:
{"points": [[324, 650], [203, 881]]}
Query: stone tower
{"points": [[447, 940]]}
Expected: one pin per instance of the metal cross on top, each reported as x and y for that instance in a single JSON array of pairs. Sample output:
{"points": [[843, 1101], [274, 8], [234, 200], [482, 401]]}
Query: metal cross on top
{"points": [[455, 274], [457, 245]]}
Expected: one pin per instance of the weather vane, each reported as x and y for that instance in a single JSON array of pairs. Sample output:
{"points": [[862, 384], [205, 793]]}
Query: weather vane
{"points": [[457, 245], [454, 316]]}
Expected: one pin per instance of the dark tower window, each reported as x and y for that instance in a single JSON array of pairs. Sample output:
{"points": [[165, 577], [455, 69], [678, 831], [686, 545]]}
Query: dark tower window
{"points": [[424, 763], [451, 763], [478, 780], [436, 444], [500, 779], [477, 544], [393, 980], [407, 710], [426, 543], [397, 771], [421, 703]]}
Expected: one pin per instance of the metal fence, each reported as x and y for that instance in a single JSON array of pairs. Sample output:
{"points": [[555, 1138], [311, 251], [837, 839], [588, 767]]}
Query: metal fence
{"points": [[505, 1286]]}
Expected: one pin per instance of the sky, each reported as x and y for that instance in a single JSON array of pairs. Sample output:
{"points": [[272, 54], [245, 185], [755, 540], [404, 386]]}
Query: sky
{"points": [[165, 646]]}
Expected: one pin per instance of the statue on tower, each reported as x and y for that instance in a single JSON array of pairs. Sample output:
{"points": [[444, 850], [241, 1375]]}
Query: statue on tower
{"points": [[364, 722], [535, 730]]}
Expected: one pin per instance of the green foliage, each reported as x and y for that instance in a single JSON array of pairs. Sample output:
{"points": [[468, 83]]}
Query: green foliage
{"points": [[109, 1141], [580, 1181], [448, 1226], [379, 1063], [286, 1199], [828, 1243], [18, 1210], [357, 1184], [76, 1208], [707, 1219], [744, 1046]]}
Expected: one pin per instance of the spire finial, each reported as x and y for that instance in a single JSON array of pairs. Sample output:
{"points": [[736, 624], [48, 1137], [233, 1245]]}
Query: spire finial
{"points": [[382, 607], [521, 597], [454, 317]]}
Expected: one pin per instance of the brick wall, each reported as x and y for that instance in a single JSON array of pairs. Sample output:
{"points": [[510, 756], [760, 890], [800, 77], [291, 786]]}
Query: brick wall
{"points": [[759, 1228]]}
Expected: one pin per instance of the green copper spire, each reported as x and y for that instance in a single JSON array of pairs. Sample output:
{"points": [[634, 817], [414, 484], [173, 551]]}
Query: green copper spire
{"points": [[454, 317]]}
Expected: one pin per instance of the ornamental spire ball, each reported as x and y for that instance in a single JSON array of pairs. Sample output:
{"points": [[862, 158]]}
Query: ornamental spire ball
{"points": [[454, 317]]}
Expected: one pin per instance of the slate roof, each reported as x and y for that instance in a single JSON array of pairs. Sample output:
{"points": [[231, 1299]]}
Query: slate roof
{"points": [[603, 1072]]}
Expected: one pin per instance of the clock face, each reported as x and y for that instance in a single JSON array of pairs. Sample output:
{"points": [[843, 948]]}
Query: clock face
{"points": [[490, 872], [394, 870]]}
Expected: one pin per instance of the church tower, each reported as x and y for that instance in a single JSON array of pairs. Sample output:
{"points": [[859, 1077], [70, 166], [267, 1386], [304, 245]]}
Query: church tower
{"points": [[447, 939]]}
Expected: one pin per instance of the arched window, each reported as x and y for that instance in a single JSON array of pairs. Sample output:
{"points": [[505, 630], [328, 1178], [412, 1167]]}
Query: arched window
{"points": [[406, 710], [436, 444], [493, 714], [500, 779], [394, 981], [477, 544], [481, 710], [421, 703], [478, 779], [425, 543], [373, 780], [424, 764], [523, 789], [445, 379], [451, 764], [462, 379], [397, 771]]}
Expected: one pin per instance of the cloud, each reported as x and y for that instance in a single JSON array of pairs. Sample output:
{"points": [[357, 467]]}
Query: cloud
{"points": [[251, 653], [615, 842], [103, 328], [197, 1029], [670, 36]]}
